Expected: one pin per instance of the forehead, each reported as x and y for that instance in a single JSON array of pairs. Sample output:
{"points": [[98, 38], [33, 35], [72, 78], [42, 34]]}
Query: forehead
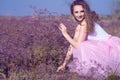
{"points": [[78, 7]]}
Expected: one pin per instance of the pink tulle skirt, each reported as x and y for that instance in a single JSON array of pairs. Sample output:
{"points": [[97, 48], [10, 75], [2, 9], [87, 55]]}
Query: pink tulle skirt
{"points": [[97, 58]]}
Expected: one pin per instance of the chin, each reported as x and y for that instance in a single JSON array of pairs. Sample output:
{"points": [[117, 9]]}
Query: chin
{"points": [[80, 19]]}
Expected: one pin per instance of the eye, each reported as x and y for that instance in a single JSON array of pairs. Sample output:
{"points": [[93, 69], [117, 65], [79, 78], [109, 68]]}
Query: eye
{"points": [[76, 12], [82, 11]]}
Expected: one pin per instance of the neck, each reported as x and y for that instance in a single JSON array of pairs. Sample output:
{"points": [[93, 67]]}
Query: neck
{"points": [[83, 22]]}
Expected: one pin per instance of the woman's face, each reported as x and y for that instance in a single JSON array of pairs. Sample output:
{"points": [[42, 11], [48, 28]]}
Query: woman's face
{"points": [[78, 13]]}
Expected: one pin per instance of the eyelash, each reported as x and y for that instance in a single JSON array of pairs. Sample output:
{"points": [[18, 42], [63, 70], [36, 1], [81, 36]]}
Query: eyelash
{"points": [[76, 11], [80, 11]]}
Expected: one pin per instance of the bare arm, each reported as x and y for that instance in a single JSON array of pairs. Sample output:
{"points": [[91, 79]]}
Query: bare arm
{"points": [[69, 52], [82, 30], [70, 49]]}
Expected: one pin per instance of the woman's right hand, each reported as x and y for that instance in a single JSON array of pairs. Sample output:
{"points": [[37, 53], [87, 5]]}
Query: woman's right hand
{"points": [[60, 68], [63, 28]]}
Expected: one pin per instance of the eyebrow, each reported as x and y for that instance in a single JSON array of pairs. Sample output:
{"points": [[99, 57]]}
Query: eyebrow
{"points": [[80, 11], [75, 11]]}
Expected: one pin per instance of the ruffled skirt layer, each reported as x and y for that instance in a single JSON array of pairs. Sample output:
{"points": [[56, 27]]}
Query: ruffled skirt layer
{"points": [[97, 58]]}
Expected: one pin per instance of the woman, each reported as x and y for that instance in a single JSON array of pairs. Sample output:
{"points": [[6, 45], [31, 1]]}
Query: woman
{"points": [[94, 51]]}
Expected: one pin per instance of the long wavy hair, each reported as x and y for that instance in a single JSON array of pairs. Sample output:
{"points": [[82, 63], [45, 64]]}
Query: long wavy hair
{"points": [[90, 16]]}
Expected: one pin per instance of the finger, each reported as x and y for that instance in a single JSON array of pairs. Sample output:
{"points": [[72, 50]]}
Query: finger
{"points": [[60, 27], [58, 71], [62, 69], [61, 24]]}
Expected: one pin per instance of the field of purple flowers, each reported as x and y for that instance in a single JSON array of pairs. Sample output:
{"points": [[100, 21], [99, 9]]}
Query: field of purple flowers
{"points": [[31, 48]]}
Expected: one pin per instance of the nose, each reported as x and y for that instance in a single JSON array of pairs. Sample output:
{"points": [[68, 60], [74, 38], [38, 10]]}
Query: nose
{"points": [[79, 14]]}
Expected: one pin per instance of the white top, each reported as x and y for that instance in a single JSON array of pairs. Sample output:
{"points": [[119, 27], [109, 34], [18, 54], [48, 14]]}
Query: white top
{"points": [[99, 33]]}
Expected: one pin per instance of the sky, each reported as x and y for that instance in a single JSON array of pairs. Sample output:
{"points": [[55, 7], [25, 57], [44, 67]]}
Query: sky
{"points": [[22, 7]]}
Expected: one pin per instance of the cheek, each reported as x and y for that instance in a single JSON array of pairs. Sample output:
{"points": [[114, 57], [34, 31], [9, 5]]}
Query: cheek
{"points": [[75, 14], [83, 14]]}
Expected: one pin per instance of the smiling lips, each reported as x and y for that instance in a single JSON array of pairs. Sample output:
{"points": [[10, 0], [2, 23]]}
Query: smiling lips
{"points": [[80, 17]]}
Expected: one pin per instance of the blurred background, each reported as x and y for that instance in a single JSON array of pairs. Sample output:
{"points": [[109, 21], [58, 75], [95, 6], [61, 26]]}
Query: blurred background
{"points": [[31, 45], [23, 7]]}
